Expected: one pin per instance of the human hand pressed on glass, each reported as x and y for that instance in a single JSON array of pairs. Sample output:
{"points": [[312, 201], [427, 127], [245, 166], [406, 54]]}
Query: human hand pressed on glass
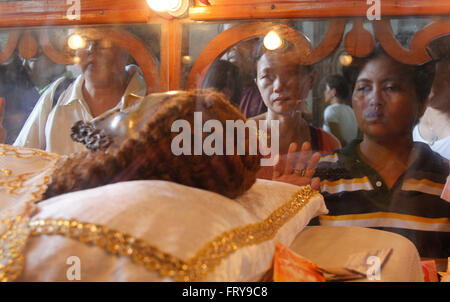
{"points": [[297, 167]]}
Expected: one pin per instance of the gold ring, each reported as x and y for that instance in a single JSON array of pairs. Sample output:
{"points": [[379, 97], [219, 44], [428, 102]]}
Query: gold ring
{"points": [[300, 172]]}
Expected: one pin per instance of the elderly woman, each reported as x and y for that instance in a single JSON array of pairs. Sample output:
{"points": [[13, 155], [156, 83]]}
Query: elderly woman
{"points": [[284, 84], [385, 180]]}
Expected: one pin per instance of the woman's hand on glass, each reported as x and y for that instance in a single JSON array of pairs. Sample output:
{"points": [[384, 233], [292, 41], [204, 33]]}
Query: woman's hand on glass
{"points": [[297, 167]]}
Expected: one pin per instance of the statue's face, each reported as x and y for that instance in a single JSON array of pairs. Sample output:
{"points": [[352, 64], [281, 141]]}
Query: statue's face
{"points": [[108, 131]]}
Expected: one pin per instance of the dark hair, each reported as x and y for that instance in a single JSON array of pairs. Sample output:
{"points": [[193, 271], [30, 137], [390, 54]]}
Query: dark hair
{"points": [[221, 75], [148, 154], [338, 82], [422, 75]]}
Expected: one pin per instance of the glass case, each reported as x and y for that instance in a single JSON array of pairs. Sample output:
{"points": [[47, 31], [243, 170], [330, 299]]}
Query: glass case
{"points": [[345, 97]]}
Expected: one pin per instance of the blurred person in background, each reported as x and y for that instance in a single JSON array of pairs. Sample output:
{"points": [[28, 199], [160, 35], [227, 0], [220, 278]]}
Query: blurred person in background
{"points": [[434, 125], [242, 55], [19, 96], [339, 118], [224, 77]]}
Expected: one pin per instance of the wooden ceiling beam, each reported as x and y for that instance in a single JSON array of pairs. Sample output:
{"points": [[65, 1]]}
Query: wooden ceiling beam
{"points": [[261, 9]]}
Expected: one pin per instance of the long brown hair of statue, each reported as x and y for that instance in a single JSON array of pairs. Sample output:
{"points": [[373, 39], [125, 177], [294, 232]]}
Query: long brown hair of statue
{"points": [[149, 155]]}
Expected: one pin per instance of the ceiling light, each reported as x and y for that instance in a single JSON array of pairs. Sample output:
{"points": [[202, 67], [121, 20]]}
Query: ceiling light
{"points": [[272, 41]]}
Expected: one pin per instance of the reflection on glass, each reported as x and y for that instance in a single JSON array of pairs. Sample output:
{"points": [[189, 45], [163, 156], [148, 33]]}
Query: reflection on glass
{"points": [[404, 28], [104, 72], [272, 41], [76, 42]]}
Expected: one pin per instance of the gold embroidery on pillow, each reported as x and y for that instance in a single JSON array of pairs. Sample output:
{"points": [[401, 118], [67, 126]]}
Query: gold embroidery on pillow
{"points": [[14, 234], [153, 259]]}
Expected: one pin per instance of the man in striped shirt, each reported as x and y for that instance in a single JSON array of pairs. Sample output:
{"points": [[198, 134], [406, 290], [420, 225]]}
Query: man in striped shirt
{"points": [[386, 181]]}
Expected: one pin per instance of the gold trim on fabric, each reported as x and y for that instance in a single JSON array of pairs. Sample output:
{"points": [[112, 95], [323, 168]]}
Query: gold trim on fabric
{"points": [[14, 231], [23, 152], [194, 269], [14, 234], [17, 183], [7, 172]]}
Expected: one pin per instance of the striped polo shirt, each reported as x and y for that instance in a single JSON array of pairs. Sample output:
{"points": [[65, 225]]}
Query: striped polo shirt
{"points": [[357, 196]]}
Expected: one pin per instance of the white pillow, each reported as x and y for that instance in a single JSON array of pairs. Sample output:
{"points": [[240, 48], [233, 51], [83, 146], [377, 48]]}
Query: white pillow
{"points": [[179, 221]]}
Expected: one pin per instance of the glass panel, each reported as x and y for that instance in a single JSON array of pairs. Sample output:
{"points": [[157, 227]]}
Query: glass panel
{"points": [[258, 84], [405, 28], [314, 31], [91, 88], [4, 34], [199, 35], [32, 75]]}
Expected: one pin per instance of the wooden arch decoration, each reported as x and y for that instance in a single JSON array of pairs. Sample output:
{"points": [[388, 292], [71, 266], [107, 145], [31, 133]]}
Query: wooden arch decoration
{"points": [[417, 53], [359, 42], [50, 51], [10, 45], [255, 29], [28, 45]]}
